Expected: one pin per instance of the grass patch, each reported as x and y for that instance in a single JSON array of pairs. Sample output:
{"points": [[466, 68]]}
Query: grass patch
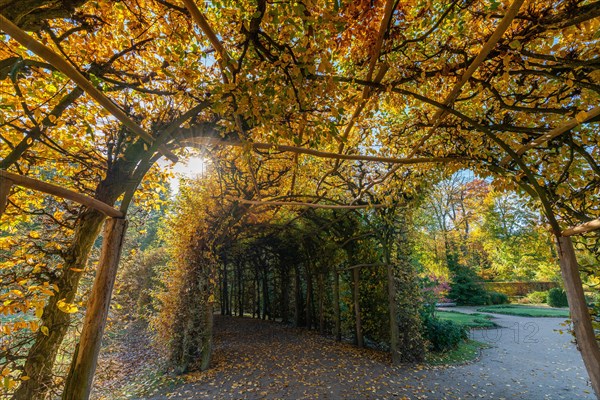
{"points": [[148, 383], [468, 320], [467, 351], [526, 311]]}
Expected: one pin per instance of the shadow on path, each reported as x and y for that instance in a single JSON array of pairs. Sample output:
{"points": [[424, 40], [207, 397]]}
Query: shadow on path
{"points": [[264, 360]]}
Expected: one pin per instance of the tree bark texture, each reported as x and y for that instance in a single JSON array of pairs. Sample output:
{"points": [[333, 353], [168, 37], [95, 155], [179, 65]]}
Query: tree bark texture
{"points": [[42, 355], [81, 374], [357, 313], [5, 186], [336, 305], [580, 316]]}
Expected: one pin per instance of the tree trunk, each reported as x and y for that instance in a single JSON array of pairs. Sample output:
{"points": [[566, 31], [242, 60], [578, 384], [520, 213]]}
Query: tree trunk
{"points": [[336, 305], [42, 355], [225, 306], [580, 316], [266, 302], [240, 291], [321, 301], [285, 294], [206, 342], [257, 292], [221, 297], [309, 300], [231, 301], [5, 185], [298, 312], [81, 374], [394, 331], [357, 315]]}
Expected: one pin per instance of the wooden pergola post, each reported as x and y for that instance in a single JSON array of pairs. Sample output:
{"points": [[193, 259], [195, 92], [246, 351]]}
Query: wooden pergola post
{"points": [[580, 316], [336, 305], [81, 373], [392, 309], [357, 313], [5, 185]]}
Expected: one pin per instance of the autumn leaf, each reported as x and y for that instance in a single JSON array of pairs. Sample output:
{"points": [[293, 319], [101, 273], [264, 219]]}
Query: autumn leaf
{"points": [[69, 308]]}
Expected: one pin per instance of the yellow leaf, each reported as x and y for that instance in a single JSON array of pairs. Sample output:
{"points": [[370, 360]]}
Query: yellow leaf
{"points": [[34, 325], [68, 308], [581, 116], [25, 378], [515, 45], [44, 330]]}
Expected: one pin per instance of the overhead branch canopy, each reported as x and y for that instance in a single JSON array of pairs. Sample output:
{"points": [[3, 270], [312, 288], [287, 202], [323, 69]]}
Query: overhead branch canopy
{"points": [[409, 92]]}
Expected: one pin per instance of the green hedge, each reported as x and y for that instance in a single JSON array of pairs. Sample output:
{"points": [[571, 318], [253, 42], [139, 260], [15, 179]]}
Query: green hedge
{"points": [[514, 289], [444, 335]]}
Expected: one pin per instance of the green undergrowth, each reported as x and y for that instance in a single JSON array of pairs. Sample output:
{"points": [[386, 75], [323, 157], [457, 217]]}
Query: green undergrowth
{"points": [[466, 352], [148, 383], [469, 320]]}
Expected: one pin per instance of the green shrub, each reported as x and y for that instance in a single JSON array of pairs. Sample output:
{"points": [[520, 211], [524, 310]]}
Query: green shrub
{"points": [[557, 298], [465, 289], [537, 297], [444, 335], [498, 298], [592, 299]]}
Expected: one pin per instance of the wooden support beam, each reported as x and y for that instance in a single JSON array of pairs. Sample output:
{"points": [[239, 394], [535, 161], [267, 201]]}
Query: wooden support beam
{"points": [[81, 373], [336, 306], [58, 191], [580, 315], [388, 11], [393, 315], [323, 154], [5, 185], [503, 25], [583, 228], [357, 311], [201, 20], [69, 70], [301, 204], [556, 132]]}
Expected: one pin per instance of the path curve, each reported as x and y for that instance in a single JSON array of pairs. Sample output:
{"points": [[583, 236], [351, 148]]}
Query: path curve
{"points": [[529, 359], [265, 360]]}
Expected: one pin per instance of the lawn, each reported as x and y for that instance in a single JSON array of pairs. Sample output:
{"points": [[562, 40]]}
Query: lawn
{"points": [[466, 351], [468, 320], [526, 311]]}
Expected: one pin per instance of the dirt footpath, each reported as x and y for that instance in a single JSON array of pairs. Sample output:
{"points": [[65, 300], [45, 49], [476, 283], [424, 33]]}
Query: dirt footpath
{"points": [[263, 360]]}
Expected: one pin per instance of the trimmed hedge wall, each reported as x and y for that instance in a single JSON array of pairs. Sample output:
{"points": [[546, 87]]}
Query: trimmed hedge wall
{"points": [[513, 289]]}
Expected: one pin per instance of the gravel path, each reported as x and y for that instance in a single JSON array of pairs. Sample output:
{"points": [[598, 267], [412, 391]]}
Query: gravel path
{"points": [[529, 359], [263, 360]]}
